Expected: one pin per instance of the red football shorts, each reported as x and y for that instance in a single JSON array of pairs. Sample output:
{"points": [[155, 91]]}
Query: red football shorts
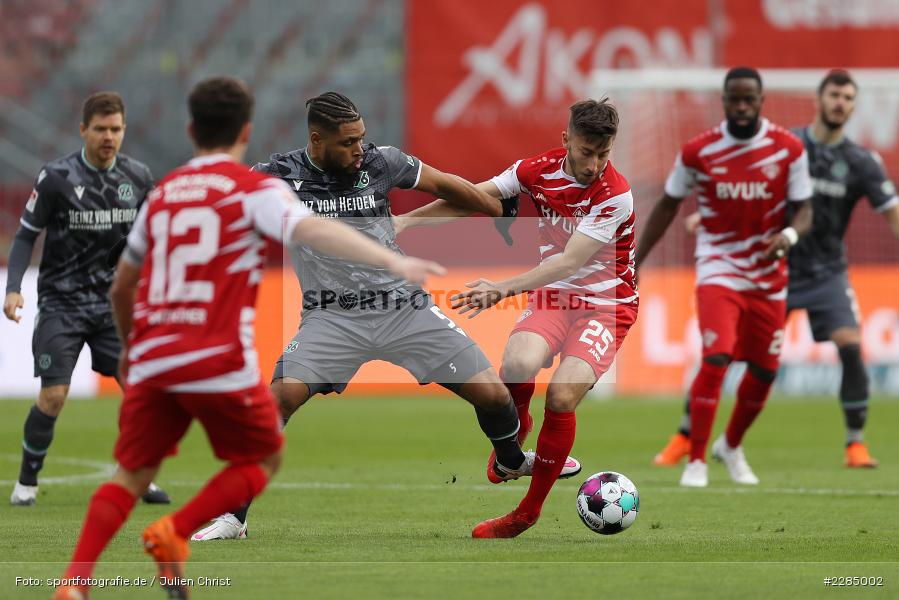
{"points": [[744, 325], [242, 426], [574, 327]]}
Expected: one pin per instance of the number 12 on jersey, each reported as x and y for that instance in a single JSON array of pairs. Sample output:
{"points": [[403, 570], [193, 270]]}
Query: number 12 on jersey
{"points": [[168, 277]]}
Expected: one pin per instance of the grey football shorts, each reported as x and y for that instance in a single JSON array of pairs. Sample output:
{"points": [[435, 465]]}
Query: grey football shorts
{"points": [[332, 344], [830, 303], [58, 338]]}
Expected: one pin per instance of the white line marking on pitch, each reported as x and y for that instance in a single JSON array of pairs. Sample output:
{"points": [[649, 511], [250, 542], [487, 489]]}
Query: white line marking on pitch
{"points": [[102, 470]]}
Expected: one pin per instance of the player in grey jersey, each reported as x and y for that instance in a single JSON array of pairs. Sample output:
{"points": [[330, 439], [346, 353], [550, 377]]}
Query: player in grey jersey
{"points": [[86, 201], [353, 313], [843, 172]]}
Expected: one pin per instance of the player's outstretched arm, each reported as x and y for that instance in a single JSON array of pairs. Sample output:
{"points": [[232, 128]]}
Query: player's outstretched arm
{"points": [[336, 239], [19, 257], [485, 293], [801, 223], [458, 191], [441, 211], [660, 219]]}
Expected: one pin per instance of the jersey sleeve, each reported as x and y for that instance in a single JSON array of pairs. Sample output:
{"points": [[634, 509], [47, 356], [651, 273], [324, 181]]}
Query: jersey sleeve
{"points": [[41, 203], [603, 220], [508, 183], [681, 179], [274, 210], [880, 191], [136, 246], [404, 169], [799, 182]]}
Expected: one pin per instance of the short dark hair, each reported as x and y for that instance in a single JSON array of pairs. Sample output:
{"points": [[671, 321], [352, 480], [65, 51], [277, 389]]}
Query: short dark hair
{"points": [[219, 108], [743, 73], [101, 103], [838, 77], [330, 110], [597, 121]]}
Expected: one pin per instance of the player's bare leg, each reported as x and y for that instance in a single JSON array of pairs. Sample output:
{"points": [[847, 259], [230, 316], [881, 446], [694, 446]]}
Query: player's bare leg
{"points": [[853, 395], [38, 435], [291, 394], [525, 354], [569, 384]]}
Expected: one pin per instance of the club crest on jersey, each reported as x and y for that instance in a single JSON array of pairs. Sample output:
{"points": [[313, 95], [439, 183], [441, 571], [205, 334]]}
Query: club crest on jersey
{"points": [[839, 169], [363, 180], [126, 192], [771, 171], [291, 347], [580, 214]]}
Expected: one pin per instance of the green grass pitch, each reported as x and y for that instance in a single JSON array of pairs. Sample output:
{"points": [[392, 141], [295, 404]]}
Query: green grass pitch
{"points": [[377, 498]]}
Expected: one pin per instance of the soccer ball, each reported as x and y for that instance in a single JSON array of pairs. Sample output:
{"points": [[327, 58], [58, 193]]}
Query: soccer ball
{"points": [[608, 502]]}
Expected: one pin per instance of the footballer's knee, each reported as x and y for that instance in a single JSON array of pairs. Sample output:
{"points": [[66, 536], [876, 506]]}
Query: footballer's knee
{"points": [[291, 395], [717, 360], [562, 397], [763, 375], [271, 463], [518, 368], [486, 391], [493, 396], [51, 399], [135, 481]]}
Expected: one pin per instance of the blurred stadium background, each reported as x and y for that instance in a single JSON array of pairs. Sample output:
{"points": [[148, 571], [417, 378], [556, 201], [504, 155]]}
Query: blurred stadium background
{"points": [[468, 87]]}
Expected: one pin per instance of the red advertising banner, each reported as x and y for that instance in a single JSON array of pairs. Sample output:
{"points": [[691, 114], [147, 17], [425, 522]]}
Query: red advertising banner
{"points": [[488, 85], [811, 33]]}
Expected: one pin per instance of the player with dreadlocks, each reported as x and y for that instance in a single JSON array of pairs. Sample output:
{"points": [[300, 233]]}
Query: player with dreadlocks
{"points": [[353, 313]]}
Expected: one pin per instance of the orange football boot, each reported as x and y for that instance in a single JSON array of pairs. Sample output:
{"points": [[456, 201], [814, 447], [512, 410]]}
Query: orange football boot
{"points": [[857, 456], [170, 551], [678, 447]]}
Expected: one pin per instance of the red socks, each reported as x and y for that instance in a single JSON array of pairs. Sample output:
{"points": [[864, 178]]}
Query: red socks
{"points": [[233, 486], [751, 396], [108, 509], [704, 395], [553, 446], [521, 393]]}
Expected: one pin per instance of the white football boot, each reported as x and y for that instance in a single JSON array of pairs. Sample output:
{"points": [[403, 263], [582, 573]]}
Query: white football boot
{"points": [[223, 527], [571, 468], [696, 474], [23, 495], [735, 461]]}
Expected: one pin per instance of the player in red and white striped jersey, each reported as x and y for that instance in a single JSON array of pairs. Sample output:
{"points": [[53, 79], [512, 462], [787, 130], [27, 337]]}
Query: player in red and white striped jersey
{"points": [[753, 189], [582, 297], [183, 299]]}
